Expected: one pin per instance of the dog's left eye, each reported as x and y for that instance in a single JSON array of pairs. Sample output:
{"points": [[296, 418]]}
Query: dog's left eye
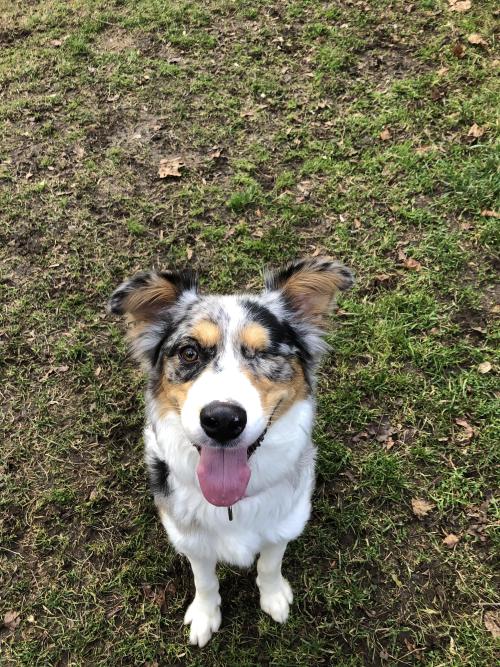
{"points": [[189, 354]]}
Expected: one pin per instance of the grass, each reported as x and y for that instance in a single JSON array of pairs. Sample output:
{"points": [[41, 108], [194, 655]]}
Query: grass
{"points": [[277, 111]]}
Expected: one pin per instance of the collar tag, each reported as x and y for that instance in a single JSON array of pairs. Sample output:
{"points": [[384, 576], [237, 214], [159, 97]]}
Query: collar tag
{"points": [[230, 513]]}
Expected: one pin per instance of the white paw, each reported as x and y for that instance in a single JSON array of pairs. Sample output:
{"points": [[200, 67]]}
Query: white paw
{"points": [[276, 602], [204, 622]]}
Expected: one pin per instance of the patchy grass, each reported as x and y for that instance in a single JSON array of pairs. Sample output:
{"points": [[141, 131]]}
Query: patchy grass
{"points": [[277, 111]]}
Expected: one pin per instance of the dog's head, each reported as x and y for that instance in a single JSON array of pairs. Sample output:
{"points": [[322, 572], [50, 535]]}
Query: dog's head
{"points": [[229, 365]]}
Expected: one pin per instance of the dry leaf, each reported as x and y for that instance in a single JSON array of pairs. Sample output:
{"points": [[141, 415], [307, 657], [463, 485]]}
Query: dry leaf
{"points": [[484, 367], [451, 540], [189, 252], [460, 5], [458, 50], [62, 369], [215, 154], [490, 214], [97, 371], [385, 135], [475, 131], [491, 622], [475, 38], [422, 150], [421, 507], [55, 42], [12, 619], [442, 71], [469, 431], [170, 167], [412, 264]]}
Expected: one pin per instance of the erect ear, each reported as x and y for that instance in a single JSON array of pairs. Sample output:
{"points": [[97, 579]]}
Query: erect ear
{"points": [[310, 285], [146, 294]]}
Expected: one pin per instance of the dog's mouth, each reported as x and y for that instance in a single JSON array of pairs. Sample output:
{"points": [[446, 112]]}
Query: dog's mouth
{"points": [[223, 472]]}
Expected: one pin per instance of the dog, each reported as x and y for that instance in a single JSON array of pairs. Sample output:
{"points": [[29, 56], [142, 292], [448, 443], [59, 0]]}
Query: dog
{"points": [[229, 414]]}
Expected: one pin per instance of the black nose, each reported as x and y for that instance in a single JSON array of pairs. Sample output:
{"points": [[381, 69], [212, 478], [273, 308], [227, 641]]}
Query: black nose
{"points": [[223, 421]]}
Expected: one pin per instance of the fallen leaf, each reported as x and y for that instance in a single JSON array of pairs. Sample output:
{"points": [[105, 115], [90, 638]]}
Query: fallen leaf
{"points": [[458, 50], [490, 214], [421, 507], [460, 5], [412, 264], [12, 619], [442, 71], [389, 444], [189, 252], [385, 135], [469, 431], [357, 223], [422, 150], [170, 167], [97, 371], [304, 187], [484, 367], [437, 93], [62, 369], [475, 131], [382, 278], [476, 38], [247, 113], [31, 618], [55, 42], [451, 540], [215, 154], [491, 622]]}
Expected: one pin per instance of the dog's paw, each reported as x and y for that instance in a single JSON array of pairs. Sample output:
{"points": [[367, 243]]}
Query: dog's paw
{"points": [[276, 602], [204, 622]]}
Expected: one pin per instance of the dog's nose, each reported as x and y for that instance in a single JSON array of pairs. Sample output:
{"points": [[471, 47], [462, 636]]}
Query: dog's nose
{"points": [[223, 421]]}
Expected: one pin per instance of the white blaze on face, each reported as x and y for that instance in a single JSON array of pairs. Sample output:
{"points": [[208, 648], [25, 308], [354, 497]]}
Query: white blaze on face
{"points": [[223, 472]]}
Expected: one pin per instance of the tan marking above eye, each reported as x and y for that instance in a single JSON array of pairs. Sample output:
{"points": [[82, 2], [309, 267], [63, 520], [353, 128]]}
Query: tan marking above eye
{"points": [[207, 333], [255, 337]]}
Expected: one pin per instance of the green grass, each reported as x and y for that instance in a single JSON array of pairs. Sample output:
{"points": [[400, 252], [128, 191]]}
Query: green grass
{"points": [[294, 96]]}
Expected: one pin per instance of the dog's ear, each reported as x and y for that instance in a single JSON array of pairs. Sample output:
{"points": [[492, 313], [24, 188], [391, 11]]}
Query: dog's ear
{"points": [[145, 295], [309, 286]]}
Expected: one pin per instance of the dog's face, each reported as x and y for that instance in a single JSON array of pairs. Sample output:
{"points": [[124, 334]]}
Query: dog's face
{"points": [[229, 365]]}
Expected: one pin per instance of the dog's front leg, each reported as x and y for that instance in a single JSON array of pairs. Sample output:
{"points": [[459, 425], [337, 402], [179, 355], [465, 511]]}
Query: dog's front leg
{"points": [[275, 593], [203, 614]]}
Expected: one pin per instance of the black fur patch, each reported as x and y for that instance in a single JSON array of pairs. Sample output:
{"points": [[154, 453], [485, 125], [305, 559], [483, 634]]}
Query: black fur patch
{"points": [[158, 477]]}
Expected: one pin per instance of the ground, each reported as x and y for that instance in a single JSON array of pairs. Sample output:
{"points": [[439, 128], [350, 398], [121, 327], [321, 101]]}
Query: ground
{"points": [[360, 129]]}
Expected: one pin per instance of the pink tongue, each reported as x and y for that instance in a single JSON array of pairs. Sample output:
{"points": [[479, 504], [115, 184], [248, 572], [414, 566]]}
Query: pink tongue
{"points": [[223, 475]]}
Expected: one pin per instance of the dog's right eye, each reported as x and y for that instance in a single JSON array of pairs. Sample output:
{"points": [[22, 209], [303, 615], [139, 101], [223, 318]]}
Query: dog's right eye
{"points": [[188, 354]]}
